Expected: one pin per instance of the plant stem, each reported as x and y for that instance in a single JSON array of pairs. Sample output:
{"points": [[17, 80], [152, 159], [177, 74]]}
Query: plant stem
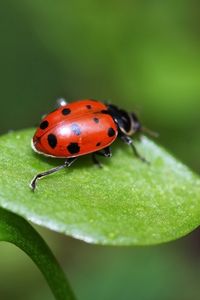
{"points": [[18, 231]]}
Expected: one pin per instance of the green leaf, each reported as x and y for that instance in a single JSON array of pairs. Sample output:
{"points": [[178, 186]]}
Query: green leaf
{"points": [[126, 203], [18, 231]]}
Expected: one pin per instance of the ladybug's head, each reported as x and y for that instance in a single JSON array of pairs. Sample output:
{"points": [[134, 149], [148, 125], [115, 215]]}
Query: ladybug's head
{"points": [[128, 123], [135, 123]]}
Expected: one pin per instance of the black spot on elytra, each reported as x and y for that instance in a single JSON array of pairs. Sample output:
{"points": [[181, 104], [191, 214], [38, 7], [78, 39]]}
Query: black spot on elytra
{"points": [[66, 111], [73, 148], [111, 132], [88, 106], [44, 124], [96, 120], [52, 140], [76, 129], [98, 144]]}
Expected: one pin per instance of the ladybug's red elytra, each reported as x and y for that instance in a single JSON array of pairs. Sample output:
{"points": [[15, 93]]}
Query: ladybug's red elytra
{"points": [[83, 127]]}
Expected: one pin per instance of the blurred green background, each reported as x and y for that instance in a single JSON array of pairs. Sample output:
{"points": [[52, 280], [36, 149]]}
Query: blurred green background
{"points": [[143, 56]]}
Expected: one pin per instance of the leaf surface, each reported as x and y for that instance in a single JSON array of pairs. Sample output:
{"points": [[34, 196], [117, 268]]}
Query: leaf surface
{"points": [[127, 202]]}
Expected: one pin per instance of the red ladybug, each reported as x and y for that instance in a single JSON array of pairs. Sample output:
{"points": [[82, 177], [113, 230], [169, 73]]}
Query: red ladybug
{"points": [[83, 127]]}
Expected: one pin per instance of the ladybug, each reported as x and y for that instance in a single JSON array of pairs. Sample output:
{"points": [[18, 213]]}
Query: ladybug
{"points": [[83, 127]]}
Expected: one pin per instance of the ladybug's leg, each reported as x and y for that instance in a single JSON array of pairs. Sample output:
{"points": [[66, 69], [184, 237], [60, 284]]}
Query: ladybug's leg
{"points": [[127, 140], [96, 161], [106, 152], [61, 102], [67, 163]]}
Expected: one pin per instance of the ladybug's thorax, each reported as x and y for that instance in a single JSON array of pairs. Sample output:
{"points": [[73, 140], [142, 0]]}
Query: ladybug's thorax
{"points": [[128, 123]]}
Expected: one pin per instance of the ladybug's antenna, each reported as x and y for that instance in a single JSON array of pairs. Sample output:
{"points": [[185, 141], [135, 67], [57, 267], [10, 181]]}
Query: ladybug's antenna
{"points": [[149, 132]]}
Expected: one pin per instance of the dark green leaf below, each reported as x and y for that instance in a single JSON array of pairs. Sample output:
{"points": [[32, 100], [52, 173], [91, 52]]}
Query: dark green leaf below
{"points": [[127, 202]]}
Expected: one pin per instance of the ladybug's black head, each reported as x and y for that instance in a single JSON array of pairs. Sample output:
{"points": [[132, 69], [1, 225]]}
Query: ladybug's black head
{"points": [[136, 125], [128, 123]]}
